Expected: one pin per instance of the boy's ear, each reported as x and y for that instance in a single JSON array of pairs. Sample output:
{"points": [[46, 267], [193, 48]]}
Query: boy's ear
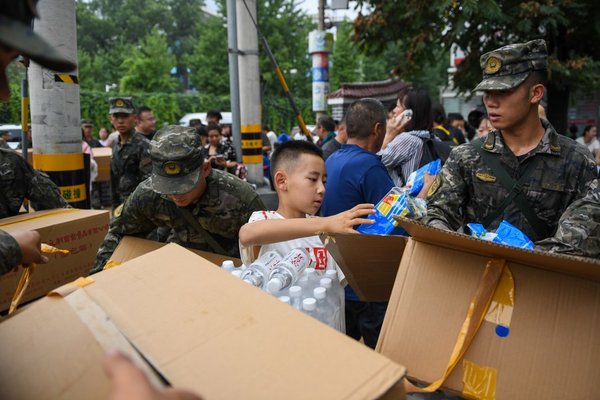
{"points": [[280, 181]]}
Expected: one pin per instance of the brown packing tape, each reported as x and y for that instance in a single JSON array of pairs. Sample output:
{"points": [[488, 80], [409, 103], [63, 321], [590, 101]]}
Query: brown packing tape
{"points": [[475, 316], [33, 217]]}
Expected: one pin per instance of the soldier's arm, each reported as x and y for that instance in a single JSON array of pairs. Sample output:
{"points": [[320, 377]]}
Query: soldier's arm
{"points": [[114, 184], [447, 195], [133, 218], [44, 194], [588, 174], [145, 166], [578, 230], [10, 253]]}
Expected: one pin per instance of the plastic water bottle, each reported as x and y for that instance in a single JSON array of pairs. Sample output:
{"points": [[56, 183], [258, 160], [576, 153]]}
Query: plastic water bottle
{"points": [[338, 291], [325, 312], [228, 266], [334, 301], [285, 299], [296, 297], [236, 273], [258, 272], [287, 272], [309, 280], [309, 306]]}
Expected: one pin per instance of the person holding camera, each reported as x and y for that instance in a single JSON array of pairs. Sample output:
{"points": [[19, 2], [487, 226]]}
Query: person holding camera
{"points": [[221, 156]]}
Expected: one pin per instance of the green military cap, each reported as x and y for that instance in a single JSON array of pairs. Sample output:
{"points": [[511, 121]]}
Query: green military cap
{"points": [[121, 105], [16, 33], [507, 67], [176, 160]]}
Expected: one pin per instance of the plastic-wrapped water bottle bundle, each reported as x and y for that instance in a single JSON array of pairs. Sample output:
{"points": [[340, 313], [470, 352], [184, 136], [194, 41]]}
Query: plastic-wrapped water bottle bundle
{"points": [[295, 282]]}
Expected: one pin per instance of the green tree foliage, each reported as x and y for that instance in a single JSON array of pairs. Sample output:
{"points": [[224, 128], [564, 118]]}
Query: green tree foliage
{"points": [[146, 68], [569, 28], [346, 60]]}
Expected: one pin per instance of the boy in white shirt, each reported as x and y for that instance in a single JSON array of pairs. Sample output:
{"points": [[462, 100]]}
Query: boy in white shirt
{"points": [[299, 178]]}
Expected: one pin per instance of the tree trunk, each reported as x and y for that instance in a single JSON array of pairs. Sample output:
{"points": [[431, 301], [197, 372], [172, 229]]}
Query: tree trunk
{"points": [[558, 107]]}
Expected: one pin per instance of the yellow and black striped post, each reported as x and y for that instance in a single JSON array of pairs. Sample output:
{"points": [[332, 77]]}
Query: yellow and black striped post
{"points": [[251, 144], [68, 172]]}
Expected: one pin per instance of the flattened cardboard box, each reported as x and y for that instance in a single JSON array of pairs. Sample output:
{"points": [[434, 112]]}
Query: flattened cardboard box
{"points": [[369, 262], [200, 327], [79, 231], [552, 350], [131, 247]]}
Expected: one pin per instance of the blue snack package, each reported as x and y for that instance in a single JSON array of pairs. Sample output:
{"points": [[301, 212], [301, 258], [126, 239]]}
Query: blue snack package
{"points": [[415, 180], [477, 230], [395, 202], [512, 236]]}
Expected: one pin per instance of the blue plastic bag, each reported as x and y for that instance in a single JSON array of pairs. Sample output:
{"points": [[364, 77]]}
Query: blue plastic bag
{"points": [[395, 202], [415, 180], [505, 234]]}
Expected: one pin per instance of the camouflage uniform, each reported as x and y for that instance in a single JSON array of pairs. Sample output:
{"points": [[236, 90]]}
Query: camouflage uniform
{"points": [[130, 162], [579, 227], [468, 190], [222, 209], [10, 253], [18, 181], [4, 144]]}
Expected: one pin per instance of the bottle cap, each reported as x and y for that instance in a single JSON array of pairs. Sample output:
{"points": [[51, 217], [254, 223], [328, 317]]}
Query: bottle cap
{"points": [[236, 273], [309, 304], [295, 291], [249, 281], [331, 273], [319, 293], [325, 282], [228, 264], [285, 299], [310, 270], [274, 285]]}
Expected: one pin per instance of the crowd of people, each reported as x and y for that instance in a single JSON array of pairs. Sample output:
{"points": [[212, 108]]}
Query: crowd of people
{"points": [[185, 185]]}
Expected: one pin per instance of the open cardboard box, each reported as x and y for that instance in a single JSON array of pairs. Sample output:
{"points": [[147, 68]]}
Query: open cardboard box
{"points": [[131, 247], [79, 231], [198, 326], [369, 262], [552, 347]]}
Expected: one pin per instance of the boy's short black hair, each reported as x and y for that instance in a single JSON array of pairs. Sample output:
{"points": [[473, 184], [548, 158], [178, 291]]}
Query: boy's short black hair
{"points": [[289, 152]]}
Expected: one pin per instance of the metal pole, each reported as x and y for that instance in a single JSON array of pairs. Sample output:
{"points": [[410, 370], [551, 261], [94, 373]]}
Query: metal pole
{"points": [[234, 83], [55, 113], [249, 84]]}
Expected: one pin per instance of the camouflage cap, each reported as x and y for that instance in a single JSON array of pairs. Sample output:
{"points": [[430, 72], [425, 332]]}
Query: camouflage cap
{"points": [[121, 105], [176, 160], [16, 33], [507, 67]]}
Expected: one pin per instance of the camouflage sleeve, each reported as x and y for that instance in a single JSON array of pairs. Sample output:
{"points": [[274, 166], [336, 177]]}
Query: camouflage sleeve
{"points": [[114, 184], [44, 194], [447, 195], [128, 219], [145, 166], [588, 174], [10, 253], [578, 230]]}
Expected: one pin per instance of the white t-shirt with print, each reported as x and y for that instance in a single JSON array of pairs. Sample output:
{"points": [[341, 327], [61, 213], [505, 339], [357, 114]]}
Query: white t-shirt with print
{"points": [[321, 257]]}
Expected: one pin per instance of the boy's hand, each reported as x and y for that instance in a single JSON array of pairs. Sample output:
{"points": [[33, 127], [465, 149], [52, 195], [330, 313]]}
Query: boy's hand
{"points": [[345, 222]]}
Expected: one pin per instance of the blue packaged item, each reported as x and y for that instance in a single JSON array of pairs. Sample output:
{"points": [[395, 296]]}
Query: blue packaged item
{"points": [[505, 234], [395, 202], [512, 236], [415, 180]]}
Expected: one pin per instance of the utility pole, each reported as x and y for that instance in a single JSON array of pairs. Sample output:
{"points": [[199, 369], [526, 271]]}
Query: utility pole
{"points": [[234, 82], [249, 86], [55, 112], [320, 44]]}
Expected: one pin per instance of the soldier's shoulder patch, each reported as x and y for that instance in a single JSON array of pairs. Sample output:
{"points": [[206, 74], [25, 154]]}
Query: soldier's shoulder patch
{"points": [[434, 186], [118, 211], [482, 176]]}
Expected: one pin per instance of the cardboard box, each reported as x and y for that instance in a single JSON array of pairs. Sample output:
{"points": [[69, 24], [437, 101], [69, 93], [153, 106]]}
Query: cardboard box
{"points": [[552, 347], [80, 231], [131, 247], [370, 262], [200, 327], [102, 155]]}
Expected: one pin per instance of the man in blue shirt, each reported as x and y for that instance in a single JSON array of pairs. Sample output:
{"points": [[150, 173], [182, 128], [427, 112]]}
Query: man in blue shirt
{"points": [[356, 175]]}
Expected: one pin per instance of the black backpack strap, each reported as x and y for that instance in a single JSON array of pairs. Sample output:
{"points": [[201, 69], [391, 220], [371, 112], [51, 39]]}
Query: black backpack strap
{"points": [[193, 222], [516, 192]]}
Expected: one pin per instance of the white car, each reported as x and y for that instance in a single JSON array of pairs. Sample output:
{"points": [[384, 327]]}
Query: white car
{"points": [[185, 121], [15, 134]]}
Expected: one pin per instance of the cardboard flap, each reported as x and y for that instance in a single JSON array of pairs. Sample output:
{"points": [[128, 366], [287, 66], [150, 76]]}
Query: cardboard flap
{"points": [[131, 247], [370, 262], [222, 338], [581, 267]]}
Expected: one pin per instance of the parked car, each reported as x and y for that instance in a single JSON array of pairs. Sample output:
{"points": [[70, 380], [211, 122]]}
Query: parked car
{"points": [[15, 134], [185, 121]]}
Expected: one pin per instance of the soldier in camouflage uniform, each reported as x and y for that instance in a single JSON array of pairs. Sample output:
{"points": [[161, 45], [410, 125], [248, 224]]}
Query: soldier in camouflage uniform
{"points": [[130, 162], [17, 179], [201, 207], [579, 227], [552, 169]]}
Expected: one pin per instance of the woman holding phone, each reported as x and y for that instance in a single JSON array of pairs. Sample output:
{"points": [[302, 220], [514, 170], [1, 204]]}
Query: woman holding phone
{"points": [[221, 156], [402, 146]]}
